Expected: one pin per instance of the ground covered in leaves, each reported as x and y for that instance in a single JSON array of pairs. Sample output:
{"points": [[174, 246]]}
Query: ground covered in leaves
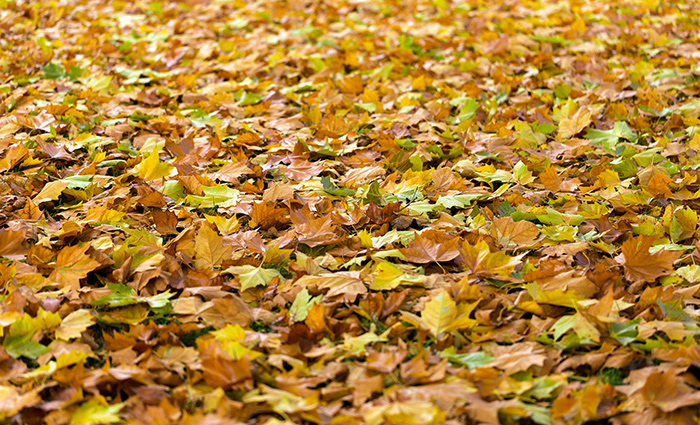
{"points": [[349, 212]]}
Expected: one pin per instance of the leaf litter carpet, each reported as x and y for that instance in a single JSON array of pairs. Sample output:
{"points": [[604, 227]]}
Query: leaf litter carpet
{"points": [[349, 212]]}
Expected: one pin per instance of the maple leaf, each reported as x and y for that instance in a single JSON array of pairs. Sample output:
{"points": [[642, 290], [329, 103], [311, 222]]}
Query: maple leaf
{"points": [[317, 232], [571, 126], [251, 276], [482, 262], [209, 248], [509, 233], [152, 168], [640, 264], [72, 264], [439, 313], [432, 246]]}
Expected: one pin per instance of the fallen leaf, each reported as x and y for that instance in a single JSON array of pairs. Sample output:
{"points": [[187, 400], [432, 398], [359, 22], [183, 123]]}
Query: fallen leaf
{"points": [[640, 265]]}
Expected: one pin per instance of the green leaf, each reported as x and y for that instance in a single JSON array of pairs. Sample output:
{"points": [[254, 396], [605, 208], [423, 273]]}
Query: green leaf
{"points": [[470, 360], [609, 139], [562, 91], [123, 295], [156, 8], [95, 413], [522, 174], [330, 188], [625, 332], [214, 197], [53, 71], [302, 304], [22, 345], [373, 195]]}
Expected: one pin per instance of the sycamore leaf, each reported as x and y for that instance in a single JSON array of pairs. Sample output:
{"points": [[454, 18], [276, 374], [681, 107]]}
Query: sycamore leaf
{"points": [[388, 276], [661, 389], [152, 168], [12, 242], [74, 324], [571, 126], [482, 262], [439, 313], [23, 346], [470, 360], [251, 276], [625, 332], [317, 232], [521, 174], [302, 304], [209, 248], [73, 264], [432, 246], [281, 401], [96, 413], [640, 265], [340, 283], [50, 192], [405, 413], [512, 234], [218, 196]]}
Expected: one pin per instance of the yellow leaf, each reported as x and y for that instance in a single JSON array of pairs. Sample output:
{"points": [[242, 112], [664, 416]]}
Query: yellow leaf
{"points": [[439, 313], [389, 276], [209, 249], [571, 126], [94, 413], [152, 169], [413, 413], [74, 324], [482, 262], [251, 276], [50, 192]]}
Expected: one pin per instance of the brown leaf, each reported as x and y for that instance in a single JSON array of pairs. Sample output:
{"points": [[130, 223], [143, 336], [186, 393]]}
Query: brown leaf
{"points": [[221, 370], [661, 390], [432, 246], [12, 242], [317, 232], [640, 265], [165, 222], [512, 234]]}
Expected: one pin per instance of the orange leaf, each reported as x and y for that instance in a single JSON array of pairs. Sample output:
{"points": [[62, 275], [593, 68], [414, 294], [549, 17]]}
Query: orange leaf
{"points": [[640, 265], [482, 262]]}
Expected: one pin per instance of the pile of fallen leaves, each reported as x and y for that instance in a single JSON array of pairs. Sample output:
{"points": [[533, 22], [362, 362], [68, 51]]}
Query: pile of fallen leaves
{"points": [[349, 212]]}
